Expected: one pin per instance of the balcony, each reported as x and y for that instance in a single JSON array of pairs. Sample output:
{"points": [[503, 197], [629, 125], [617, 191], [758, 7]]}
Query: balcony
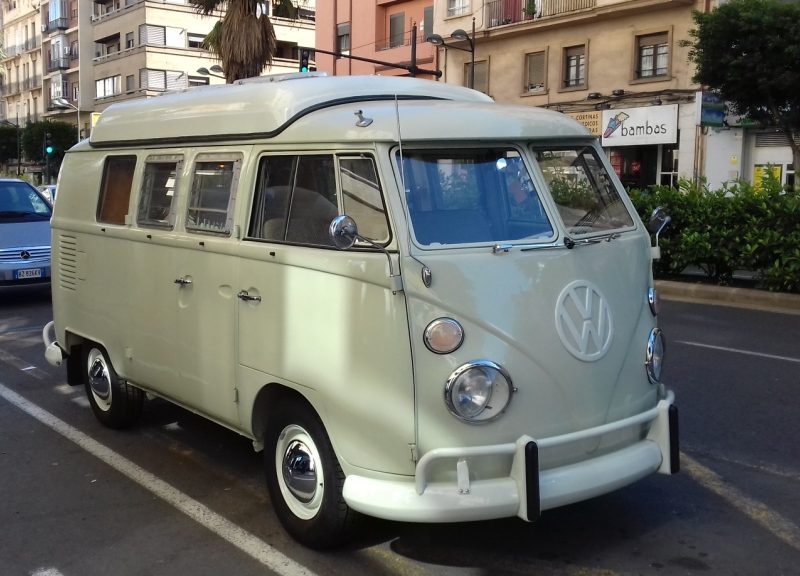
{"points": [[504, 12], [57, 64]]}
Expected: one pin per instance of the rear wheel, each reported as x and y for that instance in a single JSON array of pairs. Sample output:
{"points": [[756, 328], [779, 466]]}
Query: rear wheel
{"points": [[115, 403], [304, 478]]}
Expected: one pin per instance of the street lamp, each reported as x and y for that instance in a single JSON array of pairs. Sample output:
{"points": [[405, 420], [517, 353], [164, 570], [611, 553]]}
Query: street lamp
{"points": [[216, 71], [460, 34], [63, 103]]}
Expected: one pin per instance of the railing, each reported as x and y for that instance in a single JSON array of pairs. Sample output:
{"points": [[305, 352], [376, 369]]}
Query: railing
{"points": [[57, 64], [503, 12]]}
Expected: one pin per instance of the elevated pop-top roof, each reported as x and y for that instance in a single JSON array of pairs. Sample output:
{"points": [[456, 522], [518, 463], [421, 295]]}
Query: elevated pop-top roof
{"points": [[255, 108]]}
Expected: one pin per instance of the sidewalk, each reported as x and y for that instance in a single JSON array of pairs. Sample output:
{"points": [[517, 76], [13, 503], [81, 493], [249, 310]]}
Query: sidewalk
{"points": [[725, 296]]}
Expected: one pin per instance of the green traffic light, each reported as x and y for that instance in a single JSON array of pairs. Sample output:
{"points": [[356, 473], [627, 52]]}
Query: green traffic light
{"points": [[304, 69], [49, 150]]}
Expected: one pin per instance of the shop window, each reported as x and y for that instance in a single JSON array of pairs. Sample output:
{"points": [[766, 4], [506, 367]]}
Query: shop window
{"points": [[575, 67], [652, 55], [535, 72], [115, 189], [669, 166]]}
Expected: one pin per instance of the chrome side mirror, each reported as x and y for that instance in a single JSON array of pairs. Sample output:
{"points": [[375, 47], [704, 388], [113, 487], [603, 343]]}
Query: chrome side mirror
{"points": [[343, 232], [659, 220]]}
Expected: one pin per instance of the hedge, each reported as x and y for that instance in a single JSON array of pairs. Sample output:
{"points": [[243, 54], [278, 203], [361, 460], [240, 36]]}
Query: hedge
{"points": [[737, 227]]}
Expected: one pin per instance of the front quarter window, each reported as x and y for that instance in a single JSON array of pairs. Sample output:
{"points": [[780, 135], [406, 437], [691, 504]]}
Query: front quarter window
{"points": [[586, 198]]}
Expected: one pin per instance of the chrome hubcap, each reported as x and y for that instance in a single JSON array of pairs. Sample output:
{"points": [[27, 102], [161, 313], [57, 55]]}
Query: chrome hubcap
{"points": [[300, 471], [99, 379]]}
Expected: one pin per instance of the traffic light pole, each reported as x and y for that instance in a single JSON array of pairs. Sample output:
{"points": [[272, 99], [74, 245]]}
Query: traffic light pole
{"points": [[412, 68]]}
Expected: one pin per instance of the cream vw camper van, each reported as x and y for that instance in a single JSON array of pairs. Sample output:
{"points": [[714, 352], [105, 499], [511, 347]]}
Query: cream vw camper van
{"points": [[421, 305]]}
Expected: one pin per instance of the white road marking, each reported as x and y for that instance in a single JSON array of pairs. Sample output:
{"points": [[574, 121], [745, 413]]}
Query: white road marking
{"points": [[46, 572], [737, 351], [236, 535]]}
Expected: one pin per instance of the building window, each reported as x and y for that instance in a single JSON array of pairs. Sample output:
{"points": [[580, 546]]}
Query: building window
{"points": [[457, 7], [397, 29], [575, 67], [481, 76], [195, 40], [343, 38], [652, 55], [130, 83], [535, 72], [152, 35], [162, 80], [198, 81], [427, 23], [129, 40], [106, 87]]}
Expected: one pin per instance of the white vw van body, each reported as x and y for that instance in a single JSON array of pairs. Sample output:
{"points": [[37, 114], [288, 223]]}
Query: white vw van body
{"points": [[484, 345]]}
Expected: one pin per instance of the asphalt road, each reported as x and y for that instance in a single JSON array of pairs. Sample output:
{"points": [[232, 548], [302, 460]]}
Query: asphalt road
{"points": [[180, 496]]}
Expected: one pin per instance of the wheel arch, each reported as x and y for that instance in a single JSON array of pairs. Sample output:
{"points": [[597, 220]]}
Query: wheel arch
{"points": [[267, 398]]}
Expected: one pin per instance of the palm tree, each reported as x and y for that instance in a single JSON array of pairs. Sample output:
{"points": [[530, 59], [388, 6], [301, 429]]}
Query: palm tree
{"points": [[244, 40]]}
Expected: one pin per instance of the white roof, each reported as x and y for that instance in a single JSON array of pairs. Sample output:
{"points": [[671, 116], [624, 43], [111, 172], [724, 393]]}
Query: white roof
{"points": [[256, 108]]}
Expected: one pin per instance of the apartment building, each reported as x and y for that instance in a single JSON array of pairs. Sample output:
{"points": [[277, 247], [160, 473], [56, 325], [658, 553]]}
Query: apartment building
{"points": [[617, 66], [68, 59], [387, 31]]}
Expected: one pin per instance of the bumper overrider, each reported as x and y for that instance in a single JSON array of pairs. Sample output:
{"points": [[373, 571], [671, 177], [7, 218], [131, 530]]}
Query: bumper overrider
{"points": [[527, 490]]}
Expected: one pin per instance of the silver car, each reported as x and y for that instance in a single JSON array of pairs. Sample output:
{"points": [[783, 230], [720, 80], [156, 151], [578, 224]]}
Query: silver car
{"points": [[24, 234]]}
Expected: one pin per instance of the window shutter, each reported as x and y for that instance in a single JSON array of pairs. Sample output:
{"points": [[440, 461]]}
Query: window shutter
{"points": [[536, 78]]}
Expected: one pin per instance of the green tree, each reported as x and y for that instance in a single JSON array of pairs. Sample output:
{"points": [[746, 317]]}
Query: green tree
{"points": [[749, 52], [62, 135], [8, 143], [244, 40]]}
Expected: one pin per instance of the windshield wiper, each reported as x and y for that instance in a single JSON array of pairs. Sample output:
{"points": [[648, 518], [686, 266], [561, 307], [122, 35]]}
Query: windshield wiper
{"points": [[570, 243]]}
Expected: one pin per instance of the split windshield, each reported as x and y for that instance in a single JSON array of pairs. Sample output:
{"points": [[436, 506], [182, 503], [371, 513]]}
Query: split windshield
{"points": [[468, 196]]}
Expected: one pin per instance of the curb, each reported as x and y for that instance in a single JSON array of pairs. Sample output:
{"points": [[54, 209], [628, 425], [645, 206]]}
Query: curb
{"points": [[781, 302]]}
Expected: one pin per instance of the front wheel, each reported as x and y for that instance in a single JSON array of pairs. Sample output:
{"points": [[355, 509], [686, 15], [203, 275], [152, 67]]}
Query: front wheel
{"points": [[115, 403], [304, 478]]}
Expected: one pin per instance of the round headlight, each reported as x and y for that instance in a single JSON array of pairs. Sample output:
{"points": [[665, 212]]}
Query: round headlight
{"points": [[478, 391], [655, 355], [443, 335]]}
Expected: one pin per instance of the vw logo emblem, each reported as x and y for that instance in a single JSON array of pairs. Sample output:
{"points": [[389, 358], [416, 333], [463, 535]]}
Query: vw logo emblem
{"points": [[583, 321], [25, 255]]}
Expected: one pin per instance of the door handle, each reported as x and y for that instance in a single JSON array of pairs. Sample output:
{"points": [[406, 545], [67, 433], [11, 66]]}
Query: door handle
{"points": [[244, 295], [183, 281]]}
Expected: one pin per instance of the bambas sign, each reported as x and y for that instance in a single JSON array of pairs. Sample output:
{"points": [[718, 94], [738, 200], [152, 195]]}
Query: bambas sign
{"points": [[640, 126]]}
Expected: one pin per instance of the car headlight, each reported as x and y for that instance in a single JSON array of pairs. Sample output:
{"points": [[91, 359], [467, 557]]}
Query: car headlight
{"points": [[654, 357], [478, 391], [443, 335]]}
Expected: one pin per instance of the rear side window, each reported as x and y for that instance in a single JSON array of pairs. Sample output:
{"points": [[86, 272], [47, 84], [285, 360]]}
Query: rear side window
{"points": [[115, 189], [158, 191], [213, 194], [297, 197]]}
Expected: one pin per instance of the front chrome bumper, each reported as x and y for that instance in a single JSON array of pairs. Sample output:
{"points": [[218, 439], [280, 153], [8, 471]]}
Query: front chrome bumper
{"points": [[526, 491]]}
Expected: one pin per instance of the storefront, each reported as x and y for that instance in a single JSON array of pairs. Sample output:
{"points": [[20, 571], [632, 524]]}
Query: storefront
{"points": [[641, 142]]}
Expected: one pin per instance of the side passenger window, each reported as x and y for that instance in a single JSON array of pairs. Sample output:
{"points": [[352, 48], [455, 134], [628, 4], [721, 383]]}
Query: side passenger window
{"points": [[115, 189], [214, 181], [296, 199], [158, 191]]}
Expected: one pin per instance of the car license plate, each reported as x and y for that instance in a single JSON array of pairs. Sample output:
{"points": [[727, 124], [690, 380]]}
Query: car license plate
{"points": [[27, 273]]}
